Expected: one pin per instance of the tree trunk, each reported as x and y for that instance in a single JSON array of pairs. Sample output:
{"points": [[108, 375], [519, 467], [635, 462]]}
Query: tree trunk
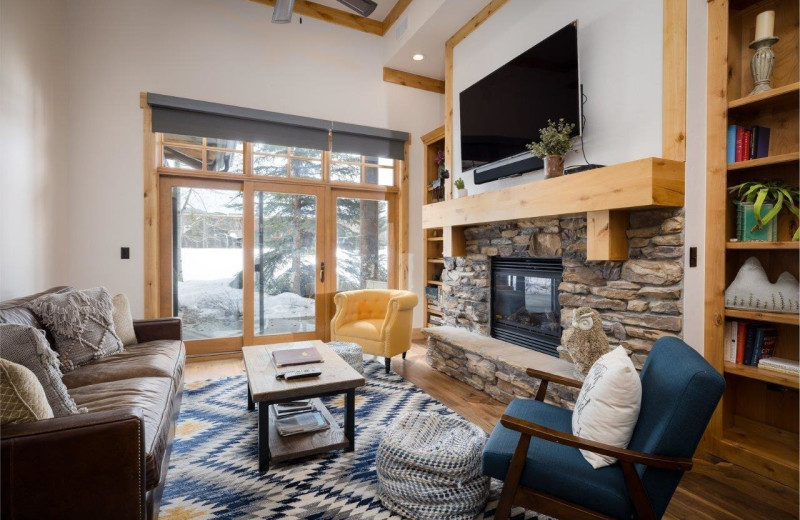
{"points": [[297, 243]]}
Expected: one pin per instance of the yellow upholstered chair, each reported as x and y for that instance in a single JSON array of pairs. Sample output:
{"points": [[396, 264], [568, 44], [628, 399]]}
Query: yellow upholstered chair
{"points": [[377, 319]]}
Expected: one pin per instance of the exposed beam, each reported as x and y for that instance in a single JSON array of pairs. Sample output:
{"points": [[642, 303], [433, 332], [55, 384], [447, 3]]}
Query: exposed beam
{"points": [[395, 14], [674, 73], [331, 15], [413, 80], [476, 21]]}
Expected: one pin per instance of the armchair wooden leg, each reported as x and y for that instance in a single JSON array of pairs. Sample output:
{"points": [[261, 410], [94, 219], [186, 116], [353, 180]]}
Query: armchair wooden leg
{"points": [[388, 362], [404, 354], [513, 477]]}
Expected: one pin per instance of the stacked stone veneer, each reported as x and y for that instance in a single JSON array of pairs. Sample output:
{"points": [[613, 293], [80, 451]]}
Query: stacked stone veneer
{"points": [[639, 299]]}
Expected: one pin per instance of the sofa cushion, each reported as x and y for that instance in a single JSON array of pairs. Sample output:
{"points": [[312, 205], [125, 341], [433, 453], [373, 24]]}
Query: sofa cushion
{"points": [[557, 470], [123, 322], [16, 311], [367, 329], [153, 395], [22, 397], [82, 324], [162, 358], [28, 347]]}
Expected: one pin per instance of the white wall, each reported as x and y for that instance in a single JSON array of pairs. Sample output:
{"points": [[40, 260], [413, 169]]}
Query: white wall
{"points": [[694, 279], [620, 49], [225, 52], [32, 175]]}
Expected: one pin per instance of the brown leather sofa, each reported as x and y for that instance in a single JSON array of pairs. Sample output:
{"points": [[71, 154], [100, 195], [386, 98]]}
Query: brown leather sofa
{"points": [[112, 461]]}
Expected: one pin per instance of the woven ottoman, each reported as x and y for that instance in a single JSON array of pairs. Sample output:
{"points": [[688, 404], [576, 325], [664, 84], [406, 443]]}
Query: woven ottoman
{"points": [[429, 467], [352, 353]]}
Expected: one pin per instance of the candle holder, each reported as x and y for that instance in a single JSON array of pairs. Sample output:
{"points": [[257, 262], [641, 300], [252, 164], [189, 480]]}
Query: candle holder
{"points": [[762, 63]]}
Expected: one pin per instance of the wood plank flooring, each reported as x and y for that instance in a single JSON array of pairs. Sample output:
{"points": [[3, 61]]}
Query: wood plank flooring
{"points": [[713, 490]]}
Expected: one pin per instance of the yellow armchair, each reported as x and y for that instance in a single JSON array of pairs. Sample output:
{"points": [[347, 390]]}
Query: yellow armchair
{"points": [[377, 319]]}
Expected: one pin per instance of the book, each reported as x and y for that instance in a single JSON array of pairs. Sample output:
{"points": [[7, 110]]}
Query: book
{"points": [[295, 356], [758, 341], [728, 341], [746, 145], [306, 422], [748, 345], [785, 366], [731, 150], [741, 339], [734, 332], [292, 408], [761, 140], [739, 144], [770, 338]]}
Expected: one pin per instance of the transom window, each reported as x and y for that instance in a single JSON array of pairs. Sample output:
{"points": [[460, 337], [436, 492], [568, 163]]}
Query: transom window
{"points": [[209, 154]]}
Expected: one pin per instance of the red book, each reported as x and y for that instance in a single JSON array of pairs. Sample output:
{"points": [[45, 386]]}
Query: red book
{"points": [[295, 356], [741, 339], [739, 143], [746, 145]]}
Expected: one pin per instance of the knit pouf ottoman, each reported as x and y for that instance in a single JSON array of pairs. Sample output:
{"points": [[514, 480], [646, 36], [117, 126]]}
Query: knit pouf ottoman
{"points": [[352, 353], [429, 467]]}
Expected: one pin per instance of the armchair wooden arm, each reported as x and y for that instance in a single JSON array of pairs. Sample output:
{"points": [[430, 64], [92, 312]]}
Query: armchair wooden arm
{"points": [[547, 377], [627, 458]]}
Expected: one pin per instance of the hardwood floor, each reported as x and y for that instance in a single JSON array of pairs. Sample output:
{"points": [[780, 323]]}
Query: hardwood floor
{"points": [[713, 490]]}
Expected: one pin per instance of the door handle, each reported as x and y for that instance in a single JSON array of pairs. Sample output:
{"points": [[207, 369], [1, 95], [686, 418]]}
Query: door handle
{"points": [[322, 272]]}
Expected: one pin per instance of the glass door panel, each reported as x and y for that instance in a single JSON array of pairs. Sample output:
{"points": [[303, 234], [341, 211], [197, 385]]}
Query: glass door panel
{"points": [[362, 243], [285, 239], [207, 261]]}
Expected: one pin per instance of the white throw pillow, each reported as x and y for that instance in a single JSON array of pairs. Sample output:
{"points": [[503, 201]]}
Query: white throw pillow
{"points": [[123, 323], [608, 406]]}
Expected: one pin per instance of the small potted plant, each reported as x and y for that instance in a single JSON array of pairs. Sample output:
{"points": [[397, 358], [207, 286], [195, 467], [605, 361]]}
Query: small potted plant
{"points": [[461, 191], [555, 141], [758, 205]]}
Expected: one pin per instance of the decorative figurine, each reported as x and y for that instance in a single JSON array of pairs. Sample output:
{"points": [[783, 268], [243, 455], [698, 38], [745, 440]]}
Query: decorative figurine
{"points": [[585, 341]]}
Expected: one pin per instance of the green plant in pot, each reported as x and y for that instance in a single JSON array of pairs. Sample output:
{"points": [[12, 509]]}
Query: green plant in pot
{"points": [[459, 184], [555, 141], [758, 206]]}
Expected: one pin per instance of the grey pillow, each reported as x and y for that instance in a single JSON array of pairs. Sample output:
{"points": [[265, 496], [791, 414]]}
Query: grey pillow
{"points": [[82, 324], [28, 347]]}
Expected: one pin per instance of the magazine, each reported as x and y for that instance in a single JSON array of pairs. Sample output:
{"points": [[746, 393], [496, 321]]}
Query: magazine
{"points": [[301, 423]]}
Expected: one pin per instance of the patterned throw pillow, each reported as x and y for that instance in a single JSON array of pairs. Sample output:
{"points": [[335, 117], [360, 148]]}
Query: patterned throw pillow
{"points": [[28, 347], [22, 397], [82, 324], [123, 323]]}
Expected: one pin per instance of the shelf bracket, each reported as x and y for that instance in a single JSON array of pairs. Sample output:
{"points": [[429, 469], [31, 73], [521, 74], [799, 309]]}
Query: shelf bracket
{"points": [[606, 235]]}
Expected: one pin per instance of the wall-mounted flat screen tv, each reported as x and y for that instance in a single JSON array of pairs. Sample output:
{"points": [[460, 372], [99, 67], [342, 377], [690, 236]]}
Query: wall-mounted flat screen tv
{"points": [[504, 111]]}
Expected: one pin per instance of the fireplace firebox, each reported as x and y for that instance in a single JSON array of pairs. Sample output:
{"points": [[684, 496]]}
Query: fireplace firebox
{"points": [[525, 308]]}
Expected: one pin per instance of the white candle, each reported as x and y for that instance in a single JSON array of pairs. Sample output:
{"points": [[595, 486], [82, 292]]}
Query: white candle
{"points": [[765, 25]]}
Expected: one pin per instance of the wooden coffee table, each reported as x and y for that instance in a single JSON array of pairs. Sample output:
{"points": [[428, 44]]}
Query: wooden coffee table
{"points": [[337, 378]]}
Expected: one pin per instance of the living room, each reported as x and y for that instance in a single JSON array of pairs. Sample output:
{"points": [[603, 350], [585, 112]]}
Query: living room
{"points": [[520, 259]]}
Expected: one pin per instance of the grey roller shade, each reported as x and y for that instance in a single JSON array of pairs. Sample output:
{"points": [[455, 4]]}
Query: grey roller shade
{"points": [[365, 140], [175, 115]]}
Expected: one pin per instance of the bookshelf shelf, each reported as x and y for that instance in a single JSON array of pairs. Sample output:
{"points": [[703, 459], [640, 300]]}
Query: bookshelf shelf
{"points": [[433, 311], [760, 374], [773, 246], [776, 96], [435, 239], [769, 317], [772, 160], [434, 282], [762, 448], [436, 260]]}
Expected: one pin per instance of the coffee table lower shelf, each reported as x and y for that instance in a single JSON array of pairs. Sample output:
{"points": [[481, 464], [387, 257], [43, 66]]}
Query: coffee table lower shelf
{"points": [[305, 444]]}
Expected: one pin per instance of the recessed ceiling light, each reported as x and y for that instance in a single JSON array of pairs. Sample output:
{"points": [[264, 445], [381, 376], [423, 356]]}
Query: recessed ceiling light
{"points": [[418, 57]]}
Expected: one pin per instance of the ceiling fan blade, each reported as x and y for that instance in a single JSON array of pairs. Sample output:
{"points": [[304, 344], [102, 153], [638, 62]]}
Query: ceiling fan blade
{"points": [[282, 12], [362, 7]]}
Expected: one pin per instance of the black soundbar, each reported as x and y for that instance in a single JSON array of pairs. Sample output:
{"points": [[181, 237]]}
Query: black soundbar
{"points": [[492, 173]]}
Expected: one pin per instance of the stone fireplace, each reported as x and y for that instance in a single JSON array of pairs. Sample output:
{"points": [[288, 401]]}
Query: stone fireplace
{"points": [[639, 299]]}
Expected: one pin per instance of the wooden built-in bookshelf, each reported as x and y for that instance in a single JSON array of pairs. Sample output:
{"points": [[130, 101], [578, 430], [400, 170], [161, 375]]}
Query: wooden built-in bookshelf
{"points": [[433, 239], [756, 424]]}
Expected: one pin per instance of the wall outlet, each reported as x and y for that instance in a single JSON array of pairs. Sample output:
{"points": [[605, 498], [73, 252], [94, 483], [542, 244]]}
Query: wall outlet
{"points": [[125, 253]]}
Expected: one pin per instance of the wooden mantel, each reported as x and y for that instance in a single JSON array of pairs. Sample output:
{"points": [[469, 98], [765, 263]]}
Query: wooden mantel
{"points": [[604, 194]]}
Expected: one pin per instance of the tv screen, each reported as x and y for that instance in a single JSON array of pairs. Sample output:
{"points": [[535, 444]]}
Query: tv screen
{"points": [[504, 111]]}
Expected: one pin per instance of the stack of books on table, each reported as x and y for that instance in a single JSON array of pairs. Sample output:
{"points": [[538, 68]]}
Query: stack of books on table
{"points": [[299, 416], [749, 343]]}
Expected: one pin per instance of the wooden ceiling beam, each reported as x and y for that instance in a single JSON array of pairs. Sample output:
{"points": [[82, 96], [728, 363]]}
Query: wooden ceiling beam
{"points": [[331, 15], [397, 11], [408, 79]]}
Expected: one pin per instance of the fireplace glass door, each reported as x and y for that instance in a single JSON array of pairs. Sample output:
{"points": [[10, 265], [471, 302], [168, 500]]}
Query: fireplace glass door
{"points": [[525, 308]]}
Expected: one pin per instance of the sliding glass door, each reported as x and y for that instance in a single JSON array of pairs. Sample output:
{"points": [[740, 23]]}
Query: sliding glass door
{"points": [[287, 261]]}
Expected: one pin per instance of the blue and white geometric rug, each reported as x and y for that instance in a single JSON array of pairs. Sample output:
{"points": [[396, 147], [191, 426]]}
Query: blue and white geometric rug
{"points": [[213, 472]]}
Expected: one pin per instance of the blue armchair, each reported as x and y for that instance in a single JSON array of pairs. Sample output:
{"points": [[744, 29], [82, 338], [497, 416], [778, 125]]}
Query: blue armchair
{"points": [[534, 452]]}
